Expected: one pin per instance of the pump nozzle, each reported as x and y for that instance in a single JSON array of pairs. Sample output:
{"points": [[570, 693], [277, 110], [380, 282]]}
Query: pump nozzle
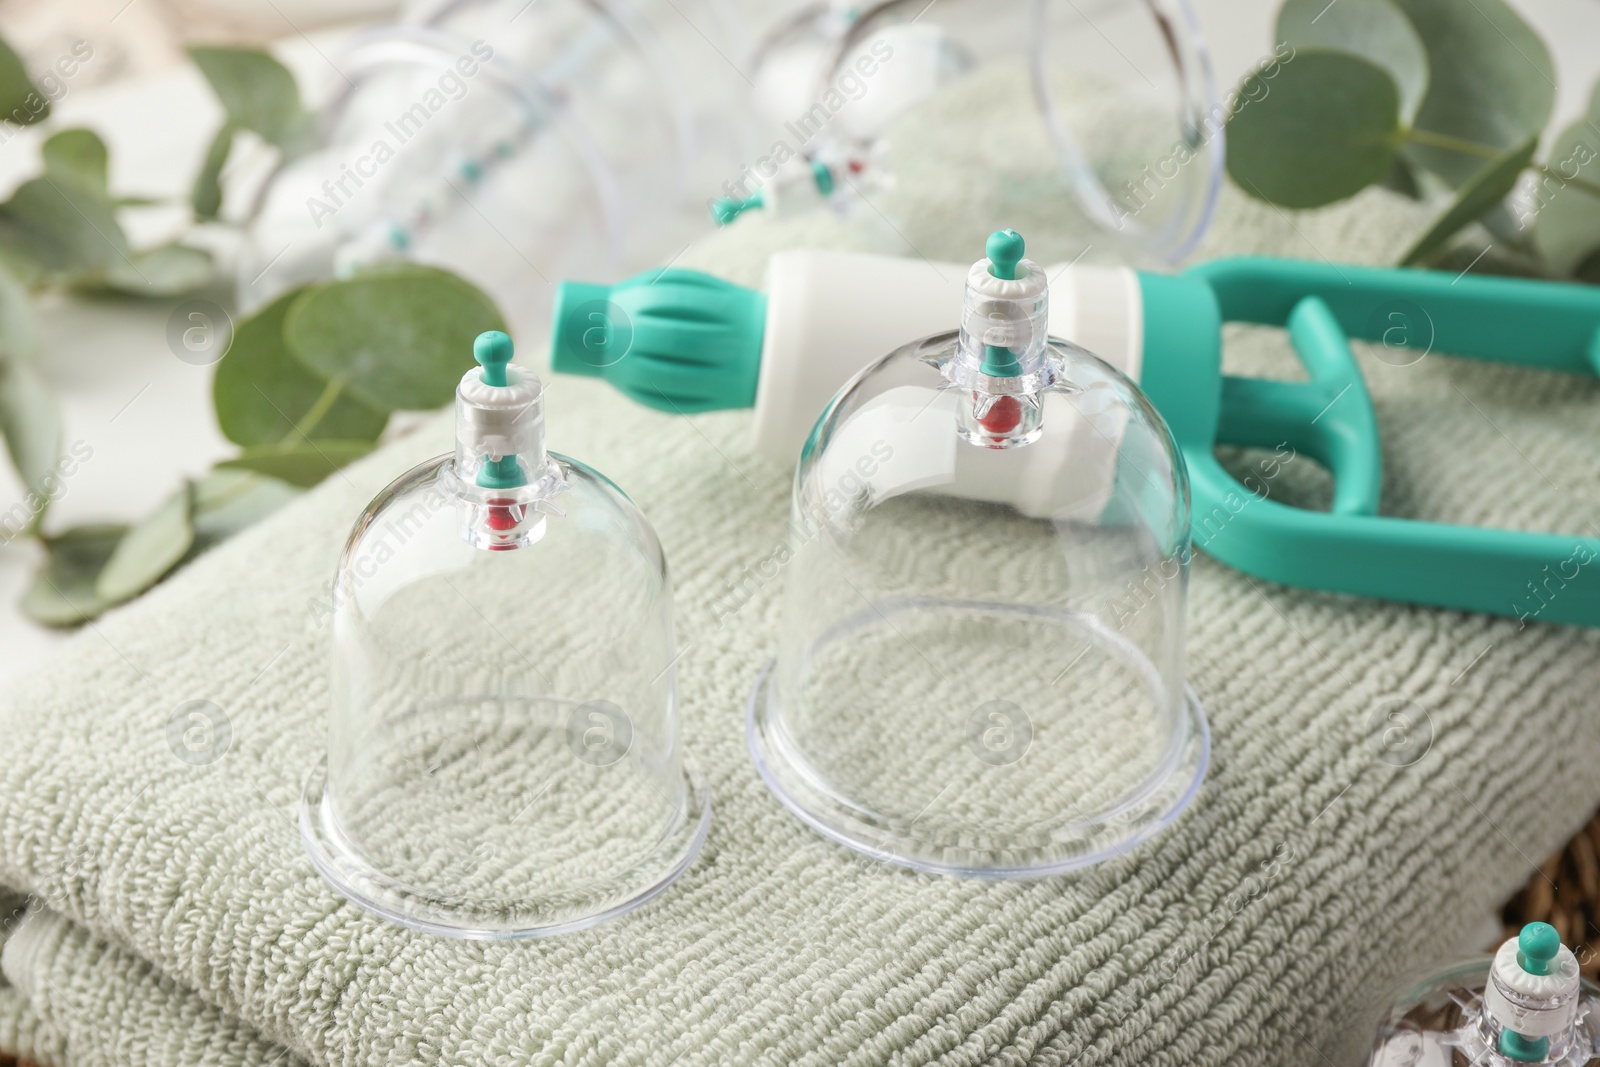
{"points": [[675, 340]]}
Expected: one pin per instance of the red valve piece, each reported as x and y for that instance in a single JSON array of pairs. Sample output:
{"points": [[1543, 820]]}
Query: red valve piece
{"points": [[1003, 416]]}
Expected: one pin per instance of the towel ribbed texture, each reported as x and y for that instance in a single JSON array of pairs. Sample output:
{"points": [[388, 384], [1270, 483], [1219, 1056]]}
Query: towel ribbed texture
{"points": [[177, 920]]}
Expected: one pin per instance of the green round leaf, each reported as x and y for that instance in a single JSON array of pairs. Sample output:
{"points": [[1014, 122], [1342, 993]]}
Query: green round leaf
{"points": [[79, 156], [1487, 188], [165, 271], [20, 102], [1567, 228], [303, 465], [30, 423], [148, 551], [256, 91], [1490, 82], [1326, 127], [227, 501], [62, 227], [19, 338], [401, 338], [206, 197], [1372, 29], [261, 392], [62, 592]]}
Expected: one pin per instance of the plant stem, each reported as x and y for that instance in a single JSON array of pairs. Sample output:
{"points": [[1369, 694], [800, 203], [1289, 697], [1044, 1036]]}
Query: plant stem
{"points": [[1483, 151], [1459, 145], [308, 421], [1560, 179], [245, 485]]}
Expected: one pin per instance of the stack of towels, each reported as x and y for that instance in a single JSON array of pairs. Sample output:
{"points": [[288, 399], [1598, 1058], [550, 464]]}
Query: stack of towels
{"points": [[167, 915]]}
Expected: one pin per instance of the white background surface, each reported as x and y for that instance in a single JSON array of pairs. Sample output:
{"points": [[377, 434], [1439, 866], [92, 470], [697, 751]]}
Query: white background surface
{"points": [[147, 415]]}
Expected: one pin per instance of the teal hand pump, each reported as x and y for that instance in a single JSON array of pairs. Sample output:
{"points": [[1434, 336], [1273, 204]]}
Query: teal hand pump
{"points": [[687, 342], [1351, 548]]}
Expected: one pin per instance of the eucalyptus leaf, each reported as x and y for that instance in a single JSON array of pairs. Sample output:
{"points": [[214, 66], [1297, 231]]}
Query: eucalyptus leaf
{"points": [[227, 501], [261, 392], [1372, 29], [303, 465], [1567, 228], [1490, 83], [150, 549], [80, 156], [30, 422], [20, 102], [16, 256], [256, 91], [62, 227], [1325, 128], [1459, 257], [399, 337], [1487, 188], [206, 197], [1402, 179], [167, 270], [62, 592], [19, 338]]}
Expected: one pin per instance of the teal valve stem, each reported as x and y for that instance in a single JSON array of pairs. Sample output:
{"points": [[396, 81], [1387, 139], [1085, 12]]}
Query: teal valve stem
{"points": [[724, 209], [502, 473], [1515, 1046], [823, 177], [493, 351], [1537, 947], [999, 362], [1005, 249]]}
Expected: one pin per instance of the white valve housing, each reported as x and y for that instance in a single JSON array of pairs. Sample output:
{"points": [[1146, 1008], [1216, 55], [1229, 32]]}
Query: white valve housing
{"points": [[1534, 1005]]}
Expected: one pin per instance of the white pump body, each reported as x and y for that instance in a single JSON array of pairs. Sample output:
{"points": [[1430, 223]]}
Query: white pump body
{"points": [[830, 314]]}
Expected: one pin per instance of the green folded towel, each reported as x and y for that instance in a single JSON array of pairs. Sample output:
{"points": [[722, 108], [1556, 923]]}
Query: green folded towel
{"points": [[177, 920]]}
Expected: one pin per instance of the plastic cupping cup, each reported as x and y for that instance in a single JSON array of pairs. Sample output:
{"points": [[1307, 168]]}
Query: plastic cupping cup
{"points": [[503, 752], [508, 142], [980, 669], [1125, 93]]}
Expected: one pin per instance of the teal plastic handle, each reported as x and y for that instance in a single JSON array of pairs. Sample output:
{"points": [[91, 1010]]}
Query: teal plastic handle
{"points": [[1329, 418], [1351, 548]]}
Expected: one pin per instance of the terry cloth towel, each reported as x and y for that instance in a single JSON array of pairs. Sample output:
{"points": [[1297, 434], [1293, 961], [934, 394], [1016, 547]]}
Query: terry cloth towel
{"points": [[176, 920]]}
